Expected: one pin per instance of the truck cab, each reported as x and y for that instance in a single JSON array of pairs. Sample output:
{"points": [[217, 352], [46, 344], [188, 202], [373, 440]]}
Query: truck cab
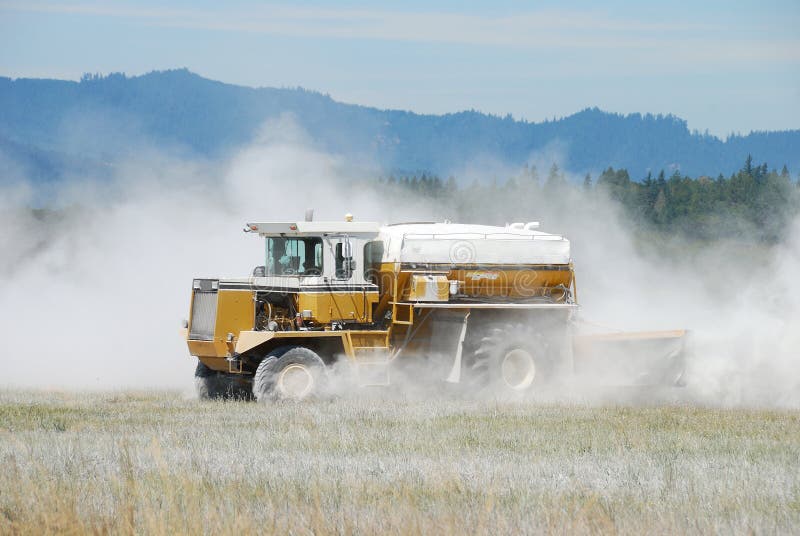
{"points": [[317, 270]]}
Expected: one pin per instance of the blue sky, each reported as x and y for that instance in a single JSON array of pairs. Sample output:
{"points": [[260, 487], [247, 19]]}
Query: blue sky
{"points": [[722, 66]]}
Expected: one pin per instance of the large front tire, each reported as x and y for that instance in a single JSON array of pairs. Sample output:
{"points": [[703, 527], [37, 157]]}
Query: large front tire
{"points": [[213, 385], [293, 374]]}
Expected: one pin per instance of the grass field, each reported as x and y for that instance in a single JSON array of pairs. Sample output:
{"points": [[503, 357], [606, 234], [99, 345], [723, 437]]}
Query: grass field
{"points": [[158, 463]]}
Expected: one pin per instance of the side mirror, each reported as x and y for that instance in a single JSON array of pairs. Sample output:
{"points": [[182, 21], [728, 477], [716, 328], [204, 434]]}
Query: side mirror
{"points": [[347, 248], [347, 268], [348, 265]]}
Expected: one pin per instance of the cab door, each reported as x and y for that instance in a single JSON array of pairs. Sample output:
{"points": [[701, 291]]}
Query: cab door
{"points": [[344, 295]]}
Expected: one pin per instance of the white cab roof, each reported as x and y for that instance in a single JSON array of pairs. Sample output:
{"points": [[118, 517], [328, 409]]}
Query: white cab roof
{"points": [[313, 228]]}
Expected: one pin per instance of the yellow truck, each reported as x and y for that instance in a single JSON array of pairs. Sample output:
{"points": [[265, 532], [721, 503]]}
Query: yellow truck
{"points": [[490, 307]]}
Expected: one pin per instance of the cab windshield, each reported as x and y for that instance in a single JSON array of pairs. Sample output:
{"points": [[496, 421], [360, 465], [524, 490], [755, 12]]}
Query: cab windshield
{"points": [[294, 256]]}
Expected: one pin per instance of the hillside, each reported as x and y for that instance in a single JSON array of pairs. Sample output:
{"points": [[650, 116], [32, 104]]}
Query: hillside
{"points": [[55, 128]]}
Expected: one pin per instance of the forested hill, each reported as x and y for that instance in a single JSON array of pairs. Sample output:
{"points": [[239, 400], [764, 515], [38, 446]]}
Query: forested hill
{"points": [[51, 128]]}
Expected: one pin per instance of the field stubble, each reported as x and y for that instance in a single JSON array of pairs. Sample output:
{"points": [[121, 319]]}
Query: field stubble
{"points": [[159, 463]]}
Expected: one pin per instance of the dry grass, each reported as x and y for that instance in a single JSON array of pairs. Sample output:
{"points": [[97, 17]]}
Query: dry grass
{"points": [[155, 463]]}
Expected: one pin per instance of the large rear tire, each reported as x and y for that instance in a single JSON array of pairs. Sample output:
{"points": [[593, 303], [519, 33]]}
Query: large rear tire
{"points": [[295, 373], [514, 360]]}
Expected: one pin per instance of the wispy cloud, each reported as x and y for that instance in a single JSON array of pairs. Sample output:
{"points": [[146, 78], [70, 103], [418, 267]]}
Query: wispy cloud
{"points": [[666, 41]]}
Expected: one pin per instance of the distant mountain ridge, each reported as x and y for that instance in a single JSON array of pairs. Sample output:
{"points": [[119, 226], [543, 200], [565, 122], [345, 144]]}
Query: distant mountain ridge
{"points": [[54, 128]]}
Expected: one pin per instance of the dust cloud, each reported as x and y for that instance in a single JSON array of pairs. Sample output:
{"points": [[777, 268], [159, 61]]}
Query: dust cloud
{"points": [[93, 295], [739, 299]]}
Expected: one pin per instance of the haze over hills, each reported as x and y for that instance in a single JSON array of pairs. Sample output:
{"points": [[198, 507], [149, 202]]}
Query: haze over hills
{"points": [[51, 129]]}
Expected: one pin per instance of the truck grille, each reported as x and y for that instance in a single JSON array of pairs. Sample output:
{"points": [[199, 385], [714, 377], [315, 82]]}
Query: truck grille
{"points": [[204, 315]]}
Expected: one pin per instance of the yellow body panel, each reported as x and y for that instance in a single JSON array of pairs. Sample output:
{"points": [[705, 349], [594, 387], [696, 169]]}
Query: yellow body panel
{"points": [[518, 283], [485, 281], [367, 339], [214, 363], [215, 348], [214, 354], [248, 340], [235, 312], [428, 287], [338, 306]]}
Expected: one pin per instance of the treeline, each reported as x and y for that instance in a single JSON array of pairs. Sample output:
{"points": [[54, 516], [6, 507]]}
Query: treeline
{"points": [[755, 202], [58, 129]]}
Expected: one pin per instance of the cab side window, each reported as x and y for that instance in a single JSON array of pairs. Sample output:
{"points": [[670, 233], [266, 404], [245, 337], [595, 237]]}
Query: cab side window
{"points": [[373, 255], [294, 256], [345, 264]]}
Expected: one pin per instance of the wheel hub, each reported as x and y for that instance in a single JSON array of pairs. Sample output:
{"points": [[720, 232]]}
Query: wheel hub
{"points": [[295, 381], [518, 369]]}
